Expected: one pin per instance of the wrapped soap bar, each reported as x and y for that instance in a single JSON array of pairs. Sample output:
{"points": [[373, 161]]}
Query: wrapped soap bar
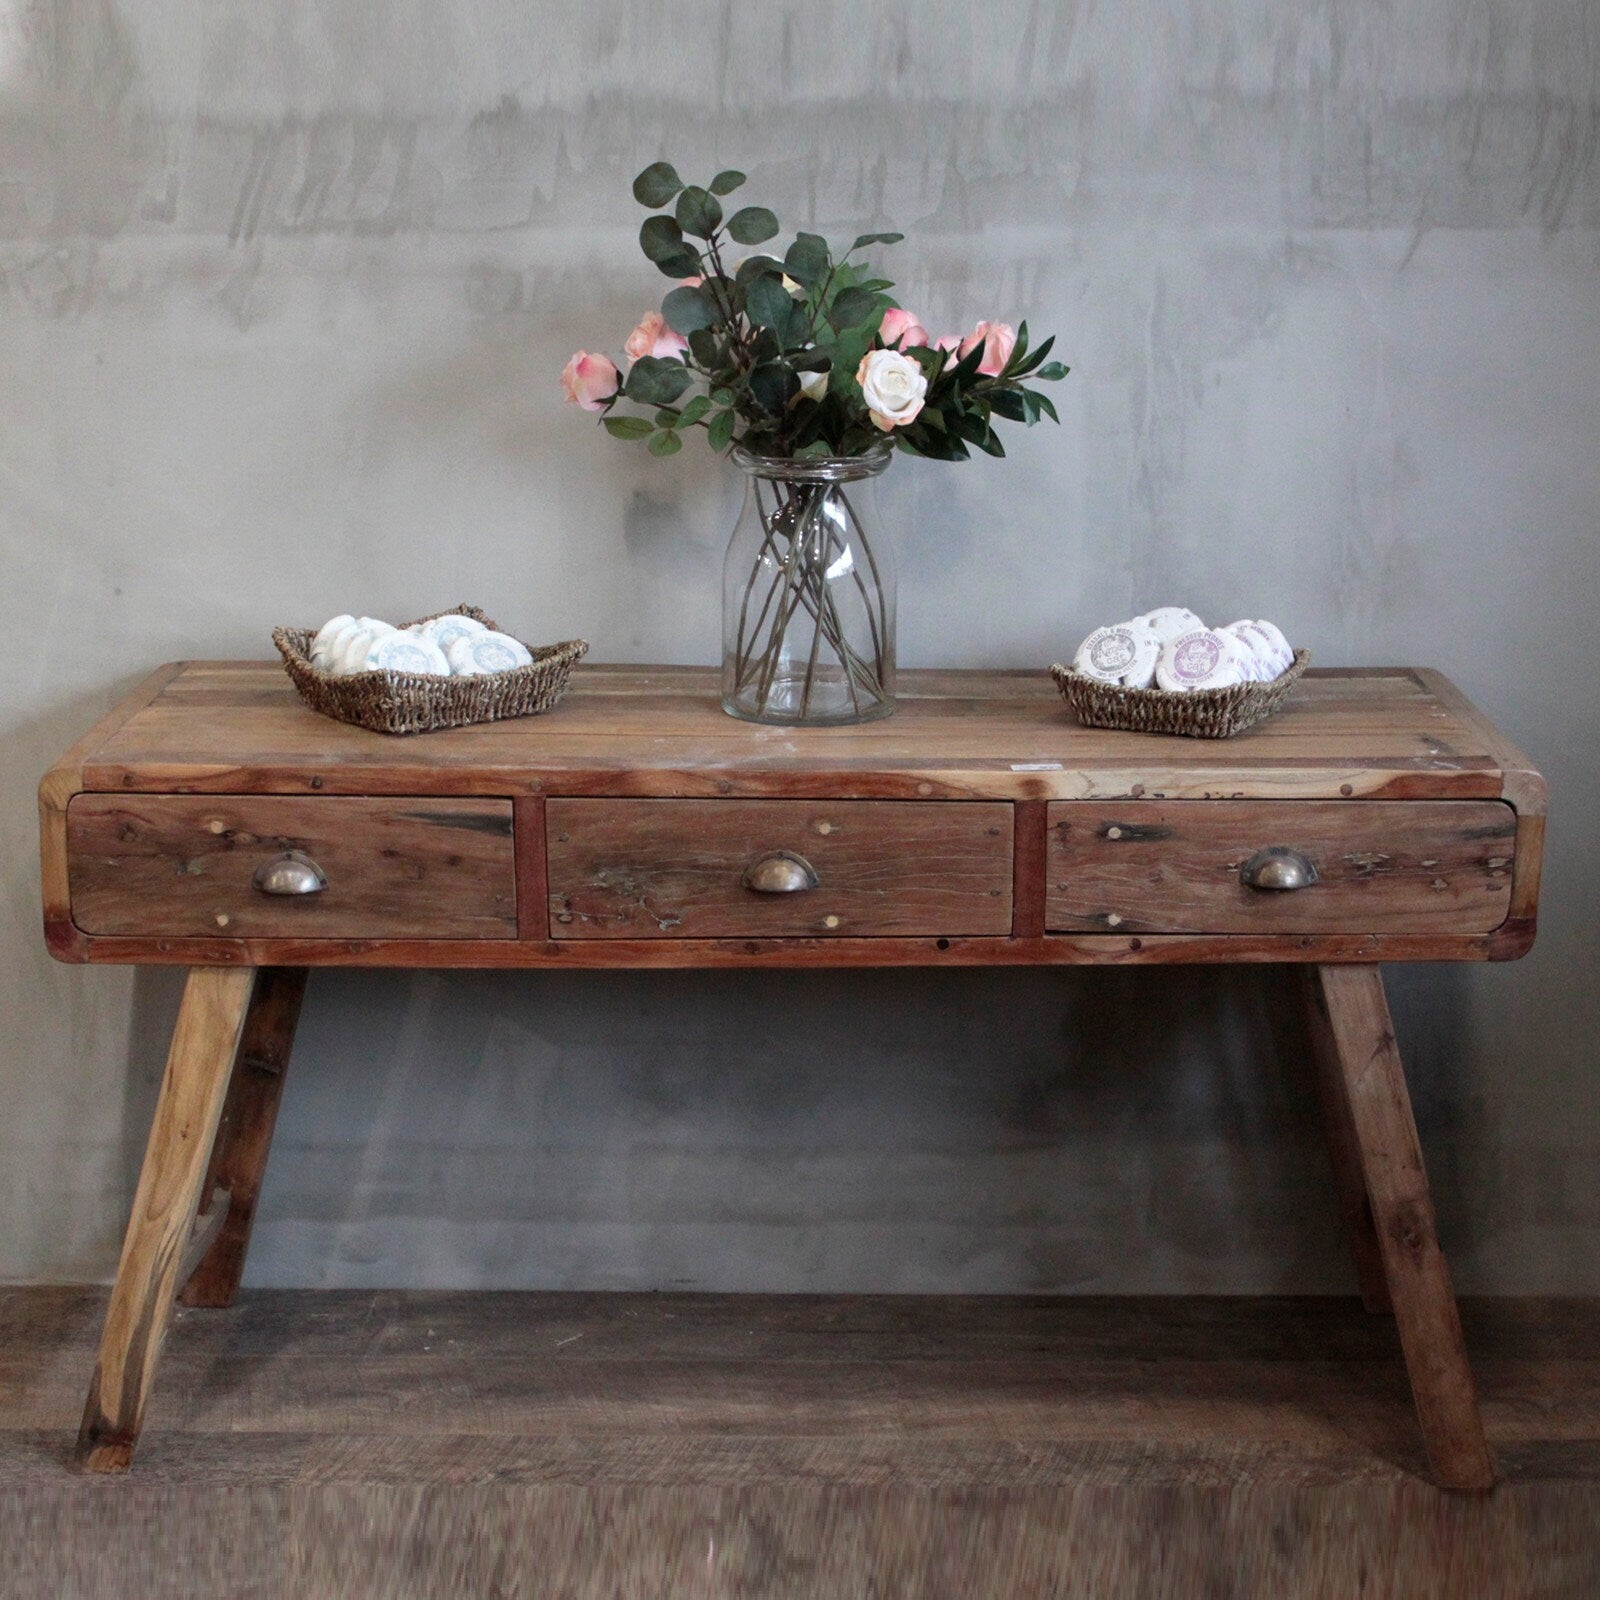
{"points": [[1201, 659], [1167, 622], [474, 653], [322, 645], [444, 631], [1124, 654], [405, 652]]}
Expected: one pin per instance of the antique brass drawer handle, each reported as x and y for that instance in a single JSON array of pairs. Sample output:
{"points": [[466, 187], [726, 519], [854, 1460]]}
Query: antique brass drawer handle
{"points": [[294, 872], [1278, 867], [781, 872]]}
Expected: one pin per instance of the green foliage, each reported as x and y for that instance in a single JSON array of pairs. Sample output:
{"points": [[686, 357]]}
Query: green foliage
{"points": [[752, 225], [656, 185], [751, 340], [698, 212]]}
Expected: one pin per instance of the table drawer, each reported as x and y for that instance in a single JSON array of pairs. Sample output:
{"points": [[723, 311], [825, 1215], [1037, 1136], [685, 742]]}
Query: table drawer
{"points": [[186, 865], [1380, 866], [681, 869]]}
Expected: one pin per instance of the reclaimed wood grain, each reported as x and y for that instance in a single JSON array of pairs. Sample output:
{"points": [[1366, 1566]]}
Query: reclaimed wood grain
{"points": [[244, 1136], [622, 869], [165, 1204], [179, 865], [1411, 866], [1356, 1015]]}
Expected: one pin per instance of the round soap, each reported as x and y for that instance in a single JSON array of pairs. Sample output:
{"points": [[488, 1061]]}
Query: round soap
{"points": [[1125, 654], [1200, 659], [444, 631], [1170, 621], [1275, 638], [1261, 658], [354, 646], [325, 635], [475, 653], [404, 652]]}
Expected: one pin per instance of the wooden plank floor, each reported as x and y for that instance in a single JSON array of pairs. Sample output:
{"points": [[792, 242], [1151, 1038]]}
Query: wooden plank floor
{"points": [[553, 1445]]}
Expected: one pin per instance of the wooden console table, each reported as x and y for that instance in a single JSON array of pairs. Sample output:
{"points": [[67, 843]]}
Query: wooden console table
{"points": [[212, 821]]}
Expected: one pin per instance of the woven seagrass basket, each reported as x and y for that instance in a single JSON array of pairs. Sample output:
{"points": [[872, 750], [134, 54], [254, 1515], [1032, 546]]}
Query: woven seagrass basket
{"points": [[1195, 713], [415, 702]]}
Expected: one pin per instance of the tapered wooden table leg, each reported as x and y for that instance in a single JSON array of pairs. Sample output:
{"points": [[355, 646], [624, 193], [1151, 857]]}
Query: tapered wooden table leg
{"points": [[204, 1043], [1351, 1003], [245, 1136], [1349, 1180]]}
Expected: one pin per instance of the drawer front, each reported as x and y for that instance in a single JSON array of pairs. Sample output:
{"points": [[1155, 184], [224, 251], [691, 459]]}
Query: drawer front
{"points": [[677, 869], [185, 865], [1381, 866]]}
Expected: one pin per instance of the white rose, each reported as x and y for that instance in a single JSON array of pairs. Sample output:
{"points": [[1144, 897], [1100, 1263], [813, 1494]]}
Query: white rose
{"points": [[893, 386], [813, 385]]}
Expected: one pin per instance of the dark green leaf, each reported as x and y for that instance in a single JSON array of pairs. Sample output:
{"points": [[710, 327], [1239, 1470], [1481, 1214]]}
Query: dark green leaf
{"points": [[726, 182], [1051, 372], [698, 212], [628, 427], [767, 303], [655, 381], [1010, 404], [684, 264], [817, 447], [665, 443], [811, 361], [864, 239], [807, 261], [1020, 369], [660, 237], [694, 411], [774, 385], [853, 308], [765, 346], [1043, 403], [667, 417], [656, 185], [720, 430], [990, 444], [706, 349], [753, 266], [722, 397], [688, 310], [752, 225]]}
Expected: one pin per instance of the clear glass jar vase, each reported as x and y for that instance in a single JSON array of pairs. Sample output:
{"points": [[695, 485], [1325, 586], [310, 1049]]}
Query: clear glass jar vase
{"points": [[808, 592]]}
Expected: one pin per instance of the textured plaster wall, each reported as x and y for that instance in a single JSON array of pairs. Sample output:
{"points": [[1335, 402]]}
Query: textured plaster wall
{"points": [[284, 289]]}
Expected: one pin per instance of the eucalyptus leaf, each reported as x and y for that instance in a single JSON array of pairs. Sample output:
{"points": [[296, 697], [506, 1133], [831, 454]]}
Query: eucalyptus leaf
{"points": [[666, 443], [655, 381], [767, 303], [807, 261], [685, 263], [656, 185], [726, 182], [774, 385], [752, 225], [689, 310], [698, 212], [864, 239], [852, 308], [719, 431], [628, 427], [660, 237], [706, 349]]}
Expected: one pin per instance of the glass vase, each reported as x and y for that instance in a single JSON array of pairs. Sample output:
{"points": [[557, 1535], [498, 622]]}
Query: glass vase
{"points": [[808, 591]]}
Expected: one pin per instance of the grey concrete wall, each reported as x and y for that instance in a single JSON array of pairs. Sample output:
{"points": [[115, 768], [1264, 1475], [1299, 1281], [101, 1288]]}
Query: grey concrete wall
{"points": [[284, 291]]}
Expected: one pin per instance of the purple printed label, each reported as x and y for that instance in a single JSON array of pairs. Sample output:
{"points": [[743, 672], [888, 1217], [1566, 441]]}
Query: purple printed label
{"points": [[1112, 651], [1195, 657]]}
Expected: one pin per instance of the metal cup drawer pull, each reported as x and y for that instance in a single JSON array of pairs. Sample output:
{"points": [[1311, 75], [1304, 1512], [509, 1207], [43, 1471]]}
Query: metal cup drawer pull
{"points": [[1278, 867], [294, 872], [781, 872]]}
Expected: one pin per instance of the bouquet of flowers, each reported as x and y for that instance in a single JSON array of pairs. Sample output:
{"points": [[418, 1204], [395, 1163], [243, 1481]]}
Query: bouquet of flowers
{"points": [[809, 370], [804, 356]]}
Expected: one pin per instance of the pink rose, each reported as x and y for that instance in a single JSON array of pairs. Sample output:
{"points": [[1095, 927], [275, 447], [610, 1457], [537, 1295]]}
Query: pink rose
{"points": [[590, 380], [654, 338], [998, 339], [694, 282], [901, 328]]}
